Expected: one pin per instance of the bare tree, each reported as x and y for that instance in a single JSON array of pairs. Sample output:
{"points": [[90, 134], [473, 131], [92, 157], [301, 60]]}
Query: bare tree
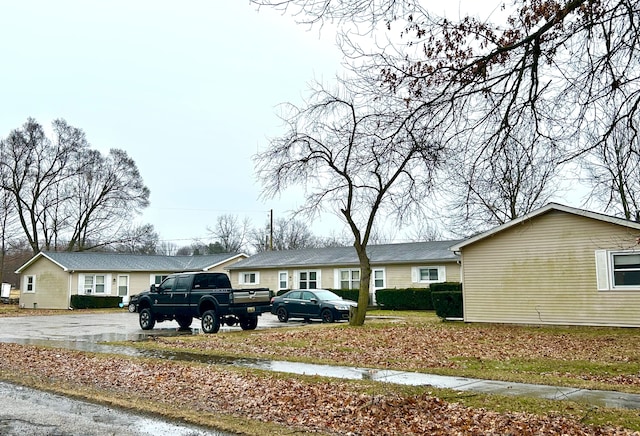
{"points": [[167, 248], [67, 196], [106, 194], [567, 73], [231, 233], [498, 185], [356, 157], [288, 234], [612, 173], [36, 166]]}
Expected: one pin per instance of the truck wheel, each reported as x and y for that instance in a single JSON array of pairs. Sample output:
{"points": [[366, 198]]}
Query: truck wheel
{"points": [[184, 321], [210, 322], [283, 316], [147, 320], [327, 316], [249, 323]]}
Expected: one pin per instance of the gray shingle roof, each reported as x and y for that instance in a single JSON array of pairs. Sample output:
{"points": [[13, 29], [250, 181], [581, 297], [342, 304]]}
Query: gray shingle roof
{"points": [[90, 261], [436, 251]]}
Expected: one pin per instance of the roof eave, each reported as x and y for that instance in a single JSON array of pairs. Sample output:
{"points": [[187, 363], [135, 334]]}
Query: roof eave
{"points": [[541, 211]]}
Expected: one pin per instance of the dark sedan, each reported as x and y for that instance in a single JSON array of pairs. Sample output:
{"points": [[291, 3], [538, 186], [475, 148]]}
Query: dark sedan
{"points": [[311, 304]]}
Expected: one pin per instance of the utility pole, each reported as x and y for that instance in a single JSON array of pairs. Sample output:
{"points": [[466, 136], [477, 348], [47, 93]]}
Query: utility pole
{"points": [[271, 230]]}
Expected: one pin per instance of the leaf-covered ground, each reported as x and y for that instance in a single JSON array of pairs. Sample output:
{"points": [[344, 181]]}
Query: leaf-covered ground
{"points": [[313, 405], [608, 357]]}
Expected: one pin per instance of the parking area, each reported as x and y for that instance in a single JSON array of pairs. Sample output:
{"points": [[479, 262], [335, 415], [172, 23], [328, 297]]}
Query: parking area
{"points": [[72, 330]]}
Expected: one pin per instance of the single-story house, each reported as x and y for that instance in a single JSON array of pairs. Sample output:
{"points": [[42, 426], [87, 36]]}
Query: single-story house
{"points": [[408, 265], [555, 265], [49, 279]]}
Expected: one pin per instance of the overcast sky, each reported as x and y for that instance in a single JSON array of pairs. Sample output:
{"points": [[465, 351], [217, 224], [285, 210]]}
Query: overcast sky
{"points": [[189, 89]]}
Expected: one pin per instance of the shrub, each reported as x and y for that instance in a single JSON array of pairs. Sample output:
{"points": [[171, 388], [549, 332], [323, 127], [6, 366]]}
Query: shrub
{"points": [[93, 302], [447, 299], [347, 294], [405, 299]]}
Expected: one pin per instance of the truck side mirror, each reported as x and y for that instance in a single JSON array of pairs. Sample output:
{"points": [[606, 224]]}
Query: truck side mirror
{"points": [[153, 288]]}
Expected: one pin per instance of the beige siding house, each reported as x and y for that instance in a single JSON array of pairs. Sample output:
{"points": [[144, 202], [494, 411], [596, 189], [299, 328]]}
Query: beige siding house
{"points": [[556, 265], [409, 265], [49, 279]]}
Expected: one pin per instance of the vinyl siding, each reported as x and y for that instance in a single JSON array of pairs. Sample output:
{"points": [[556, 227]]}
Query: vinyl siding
{"points": [[396, 276], [543, 271], [51, 286]]}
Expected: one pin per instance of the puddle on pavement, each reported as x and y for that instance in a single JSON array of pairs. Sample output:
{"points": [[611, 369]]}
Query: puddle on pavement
{"points": [[96, 344]]}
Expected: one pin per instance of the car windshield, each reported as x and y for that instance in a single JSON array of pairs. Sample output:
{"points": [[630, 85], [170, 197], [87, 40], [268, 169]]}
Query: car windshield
{"points": [[326, 295]]}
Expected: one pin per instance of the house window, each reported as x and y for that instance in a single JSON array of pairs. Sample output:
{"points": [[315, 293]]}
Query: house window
{"points": [[378, 279], [626, 269], [249, 278], [30, 284], [617, 270], [283, 280], [350, 279], [94, 284], [308, 279], [428, 274], [158, 278]]}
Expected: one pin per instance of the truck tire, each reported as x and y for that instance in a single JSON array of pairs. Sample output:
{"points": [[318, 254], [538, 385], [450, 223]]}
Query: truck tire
{"points": [[184, 321], [249, 323], [210, 322], [147, 320], [327, 316], [283, 315]]}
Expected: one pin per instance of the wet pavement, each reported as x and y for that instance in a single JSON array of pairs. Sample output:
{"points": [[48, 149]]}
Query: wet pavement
{"points": [[61, 416], [84, 331]]}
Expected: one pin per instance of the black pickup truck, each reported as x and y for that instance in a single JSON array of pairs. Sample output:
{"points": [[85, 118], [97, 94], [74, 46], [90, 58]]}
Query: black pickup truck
{"points": [[203, 295]]}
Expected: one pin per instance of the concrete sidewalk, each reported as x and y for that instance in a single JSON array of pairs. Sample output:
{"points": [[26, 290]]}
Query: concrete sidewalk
{"points": [[595, 397]]}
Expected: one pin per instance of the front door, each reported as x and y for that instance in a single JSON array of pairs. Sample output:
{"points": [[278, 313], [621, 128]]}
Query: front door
{"points": [[123, 288]]}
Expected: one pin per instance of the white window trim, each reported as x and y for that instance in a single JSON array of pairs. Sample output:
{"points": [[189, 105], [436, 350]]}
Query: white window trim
{"points": [[33, 284], [242, 274], [107, 284], [605, 273], [337, 277], [373, 278], [118, 285], [286, 285], [318, 277], [152, 278], [442, 274]]}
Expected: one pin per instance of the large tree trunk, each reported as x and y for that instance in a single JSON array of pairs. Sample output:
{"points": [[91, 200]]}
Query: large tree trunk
{"points": [[363, 295]]}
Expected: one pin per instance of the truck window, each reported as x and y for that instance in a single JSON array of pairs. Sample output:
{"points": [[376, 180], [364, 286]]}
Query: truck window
{"points": [[167, 284], [182, 285]]}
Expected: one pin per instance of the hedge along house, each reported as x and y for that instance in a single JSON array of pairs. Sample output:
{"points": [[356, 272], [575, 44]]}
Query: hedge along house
{"points": [[49, 279], [556, 265], [409, 265]]}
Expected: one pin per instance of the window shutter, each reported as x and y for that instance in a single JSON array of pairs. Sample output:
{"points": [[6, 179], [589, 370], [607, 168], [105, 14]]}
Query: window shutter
{"points": [[80, 284], [442, 273], [336, 278], [415, 278], [602, 270]]}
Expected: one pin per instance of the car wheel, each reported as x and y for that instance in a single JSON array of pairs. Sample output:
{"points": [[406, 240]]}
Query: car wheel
{"points": [[184, 321], [283, 316], [210, 322], [249, 323], [327, 316], [147, 320], [132, 307]]}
